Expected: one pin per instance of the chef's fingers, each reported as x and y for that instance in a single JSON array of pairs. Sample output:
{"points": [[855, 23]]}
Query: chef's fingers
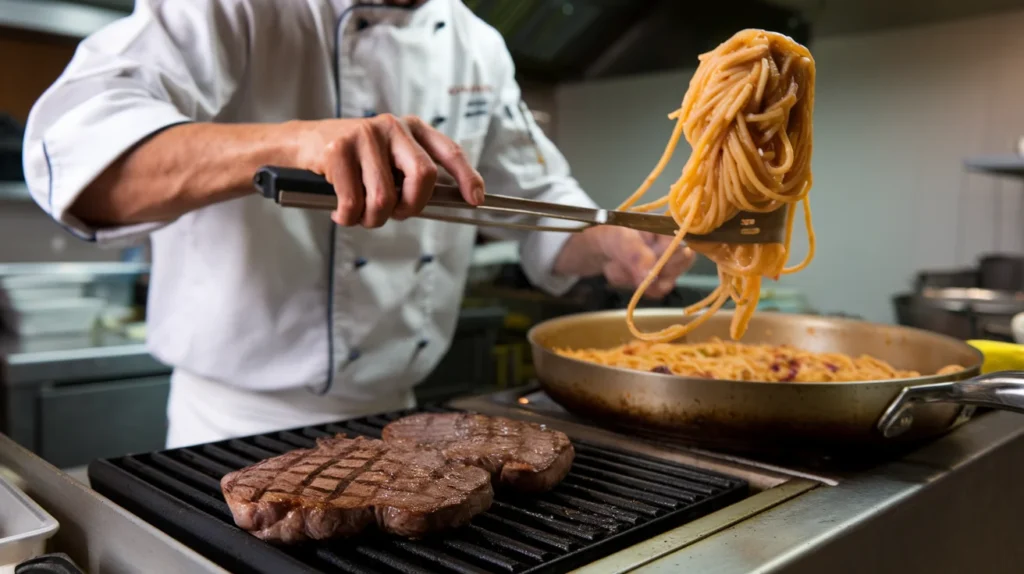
{"points": [[654, 240], [621, 277], [680, 262], [636, 254], [628, 248], [341, 168], [449, 155], [375, 163], [618, 275], [418, 170]]}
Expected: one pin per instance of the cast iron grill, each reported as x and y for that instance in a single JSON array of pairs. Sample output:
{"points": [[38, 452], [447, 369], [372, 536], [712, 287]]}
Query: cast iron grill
{"points": [[610, 500]]}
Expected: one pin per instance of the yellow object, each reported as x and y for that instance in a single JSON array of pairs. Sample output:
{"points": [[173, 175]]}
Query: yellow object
{"points": [[999, 356], [517, 321]]}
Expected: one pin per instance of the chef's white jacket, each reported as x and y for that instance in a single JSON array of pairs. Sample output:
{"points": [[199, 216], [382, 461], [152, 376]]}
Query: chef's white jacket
{"points": [[266, 298]]}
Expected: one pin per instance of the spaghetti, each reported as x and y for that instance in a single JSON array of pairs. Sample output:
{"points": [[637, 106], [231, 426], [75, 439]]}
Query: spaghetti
{"points": [[728, 360], [748, 115]]}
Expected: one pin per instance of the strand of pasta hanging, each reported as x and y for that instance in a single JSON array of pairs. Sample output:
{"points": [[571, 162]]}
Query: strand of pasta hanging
{"points": [[748, 115]]}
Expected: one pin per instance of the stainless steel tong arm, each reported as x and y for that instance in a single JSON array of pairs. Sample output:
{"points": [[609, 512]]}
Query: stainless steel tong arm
{"points": [[299, 188]]}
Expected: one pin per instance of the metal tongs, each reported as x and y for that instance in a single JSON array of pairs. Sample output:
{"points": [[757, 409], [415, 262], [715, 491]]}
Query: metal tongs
{"points": [[300, 188]]}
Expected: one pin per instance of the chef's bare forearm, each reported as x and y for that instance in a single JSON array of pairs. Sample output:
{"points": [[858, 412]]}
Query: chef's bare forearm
{"points": [[183, 168]]}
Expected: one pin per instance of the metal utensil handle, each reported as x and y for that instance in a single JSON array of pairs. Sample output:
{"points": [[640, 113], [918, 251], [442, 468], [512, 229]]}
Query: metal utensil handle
{"points": [[282, 183], [300, 188], [1002, 390]]}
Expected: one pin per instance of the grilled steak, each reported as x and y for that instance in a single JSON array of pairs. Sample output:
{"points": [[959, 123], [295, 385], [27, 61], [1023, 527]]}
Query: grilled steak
{"points": [[344, 485], [521, 455]]}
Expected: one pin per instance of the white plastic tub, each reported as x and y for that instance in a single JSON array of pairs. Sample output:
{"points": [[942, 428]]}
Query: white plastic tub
{"points": [[24, 527], [59, 316]]}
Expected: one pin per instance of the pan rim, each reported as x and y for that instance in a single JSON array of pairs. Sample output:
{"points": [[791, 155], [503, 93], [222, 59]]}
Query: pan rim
{"points": [[967, 371]]}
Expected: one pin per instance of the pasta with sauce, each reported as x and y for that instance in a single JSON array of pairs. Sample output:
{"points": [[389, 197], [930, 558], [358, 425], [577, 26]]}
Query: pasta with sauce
{"points": [[729, 360], [748, 115]]}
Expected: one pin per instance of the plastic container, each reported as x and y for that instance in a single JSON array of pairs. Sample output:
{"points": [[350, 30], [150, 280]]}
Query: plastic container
{"points": [[60, 316], [24, 527]]}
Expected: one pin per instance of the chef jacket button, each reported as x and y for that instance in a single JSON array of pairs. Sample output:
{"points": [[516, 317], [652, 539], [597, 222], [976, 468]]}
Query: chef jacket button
{"points": [[438, 25], [359, 262], [353, 355], [362, 24], [424, 259], [422, 343]]}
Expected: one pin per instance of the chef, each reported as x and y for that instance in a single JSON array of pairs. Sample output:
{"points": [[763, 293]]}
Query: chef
{"points": [[273, 317]]}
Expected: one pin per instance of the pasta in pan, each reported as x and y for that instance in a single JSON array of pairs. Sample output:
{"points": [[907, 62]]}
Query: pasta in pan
{"points": [[728, 360]]}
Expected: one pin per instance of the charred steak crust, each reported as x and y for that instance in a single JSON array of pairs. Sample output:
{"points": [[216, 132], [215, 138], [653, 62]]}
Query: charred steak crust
{"points": [[342, 486], [524, 456]]}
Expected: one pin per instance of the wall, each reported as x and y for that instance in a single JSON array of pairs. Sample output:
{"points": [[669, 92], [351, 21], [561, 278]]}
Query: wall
{"points": [[540, 97], [29, 63], [897, 112]]}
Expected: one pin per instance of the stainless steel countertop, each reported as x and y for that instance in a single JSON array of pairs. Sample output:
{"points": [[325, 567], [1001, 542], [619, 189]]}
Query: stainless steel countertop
{"points": [[100, 536], [779, 538]]}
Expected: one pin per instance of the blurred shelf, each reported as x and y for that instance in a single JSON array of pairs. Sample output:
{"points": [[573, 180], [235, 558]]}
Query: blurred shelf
{"points": [[1009, 165], [14, 191], [61, 18]]}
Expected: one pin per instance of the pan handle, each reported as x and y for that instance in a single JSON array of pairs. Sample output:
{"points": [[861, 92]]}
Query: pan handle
{"points": [[1002, 390]]}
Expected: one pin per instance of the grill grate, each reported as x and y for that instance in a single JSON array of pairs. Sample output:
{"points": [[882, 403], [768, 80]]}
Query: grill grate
{"points": [[610, 500]]}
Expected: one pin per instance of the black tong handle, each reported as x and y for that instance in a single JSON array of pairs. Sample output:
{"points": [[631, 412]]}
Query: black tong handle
{"points": [[272, 180]]}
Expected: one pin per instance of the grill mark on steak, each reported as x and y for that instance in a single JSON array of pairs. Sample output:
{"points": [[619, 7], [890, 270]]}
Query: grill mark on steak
{"points": [[405, 491], [352, 476], [309, 477], [261, 491], [518, 454]]}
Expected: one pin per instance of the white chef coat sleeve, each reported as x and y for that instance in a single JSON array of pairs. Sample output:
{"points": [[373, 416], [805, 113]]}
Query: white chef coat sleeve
{"points": [[168, 63], [518, 159]]}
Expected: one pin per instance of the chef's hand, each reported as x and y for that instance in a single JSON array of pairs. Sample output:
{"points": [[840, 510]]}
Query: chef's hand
{"points": [[624, 257], [357, 156]]}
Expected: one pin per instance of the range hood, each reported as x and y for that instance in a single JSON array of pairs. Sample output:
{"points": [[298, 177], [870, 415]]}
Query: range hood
{"points": [[550, 40], [557, 40]]}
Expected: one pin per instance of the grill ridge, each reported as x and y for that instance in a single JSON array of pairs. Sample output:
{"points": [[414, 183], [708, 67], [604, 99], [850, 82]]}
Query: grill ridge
{"points": [[614, 499]]}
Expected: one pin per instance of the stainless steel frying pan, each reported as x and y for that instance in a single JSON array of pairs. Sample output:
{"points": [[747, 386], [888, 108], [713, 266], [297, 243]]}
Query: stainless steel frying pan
{"points": [[781, 415]]}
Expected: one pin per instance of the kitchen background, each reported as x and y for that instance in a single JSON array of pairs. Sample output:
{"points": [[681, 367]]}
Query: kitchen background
{"points": [[917, 102]]}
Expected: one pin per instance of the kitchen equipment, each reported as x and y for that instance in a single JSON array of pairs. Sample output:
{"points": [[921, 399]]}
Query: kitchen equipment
{"points": [[938, 279], [11, 134], [468, 366], [990, 311], [57, 563], [1001, 272], [804, 415], [610, 500], [301, 188], [113, 282], [60, 316], [964, 313], [72, 298], [24, 527], [914, 311], [1017, 328]]}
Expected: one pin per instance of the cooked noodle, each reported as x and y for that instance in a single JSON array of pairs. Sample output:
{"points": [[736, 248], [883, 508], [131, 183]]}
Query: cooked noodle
{"points": [[727, 360], [747, 114]]}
